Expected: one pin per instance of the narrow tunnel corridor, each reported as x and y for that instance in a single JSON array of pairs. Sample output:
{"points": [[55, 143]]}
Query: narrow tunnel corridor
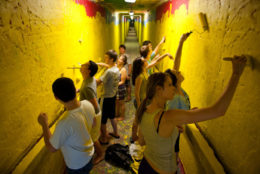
{"points": [[45, 40]]}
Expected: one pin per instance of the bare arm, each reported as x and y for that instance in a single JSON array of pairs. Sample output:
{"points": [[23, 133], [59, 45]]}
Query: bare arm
{"points": [[138, 82], [94, 102], [98, 81], [158, 59], [129, 71], [159, 45], [43, 121], [217, 109], [123, 76], [141, 138], [177, 60], [135, 129], [103, 64]]}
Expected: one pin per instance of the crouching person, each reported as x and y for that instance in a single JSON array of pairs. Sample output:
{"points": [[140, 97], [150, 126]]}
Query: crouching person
{"points": [[72, 131]]}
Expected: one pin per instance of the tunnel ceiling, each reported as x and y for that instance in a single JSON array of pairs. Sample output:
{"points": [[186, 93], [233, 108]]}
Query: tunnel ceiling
{"points": [[116, 5]]}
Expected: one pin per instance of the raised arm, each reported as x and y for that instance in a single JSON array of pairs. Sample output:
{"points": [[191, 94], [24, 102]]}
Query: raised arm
{"points": [[177, 61], [158, 59], [103, 64], [221, 105], [159, 45]]}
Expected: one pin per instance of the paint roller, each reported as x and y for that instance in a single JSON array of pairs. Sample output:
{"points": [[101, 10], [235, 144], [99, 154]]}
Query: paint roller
{"points": [[249, 61], [204, 23]]}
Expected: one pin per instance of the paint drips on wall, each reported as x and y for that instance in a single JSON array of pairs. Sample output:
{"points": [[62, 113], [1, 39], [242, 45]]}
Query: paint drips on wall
{"points": [[175, 4], [92, 8]]}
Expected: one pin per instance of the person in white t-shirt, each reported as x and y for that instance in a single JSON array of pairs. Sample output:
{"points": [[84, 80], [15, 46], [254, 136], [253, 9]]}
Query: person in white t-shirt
{"points": [[72, 133]]}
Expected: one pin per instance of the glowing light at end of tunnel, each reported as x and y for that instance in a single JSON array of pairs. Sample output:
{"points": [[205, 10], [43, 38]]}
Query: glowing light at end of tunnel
{"points": [[131, 13], [130, 1]]}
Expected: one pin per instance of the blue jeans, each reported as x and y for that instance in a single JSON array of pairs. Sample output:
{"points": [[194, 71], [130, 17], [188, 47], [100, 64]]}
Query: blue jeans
{"points": [[84, 170]]}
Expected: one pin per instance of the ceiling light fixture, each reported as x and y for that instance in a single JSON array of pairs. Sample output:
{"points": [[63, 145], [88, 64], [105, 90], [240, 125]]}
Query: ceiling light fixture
{"points": [[131, 13], [130, 1]]}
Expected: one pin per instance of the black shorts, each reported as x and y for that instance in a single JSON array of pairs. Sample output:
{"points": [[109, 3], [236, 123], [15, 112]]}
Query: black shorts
{"points": [[108, 109], [145, 168], [177, 144]]}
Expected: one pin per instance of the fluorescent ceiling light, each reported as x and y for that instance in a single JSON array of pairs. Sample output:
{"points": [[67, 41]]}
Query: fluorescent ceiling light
{"points": [[130, 1], [131, 13]]}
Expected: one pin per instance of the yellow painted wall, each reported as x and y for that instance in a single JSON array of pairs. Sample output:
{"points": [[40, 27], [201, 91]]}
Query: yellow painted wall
{"points": [[138, 28], [122, 30], [234, 30], [115, 37], [39, 40], [136, 24], [124, 27], [127, 24]]}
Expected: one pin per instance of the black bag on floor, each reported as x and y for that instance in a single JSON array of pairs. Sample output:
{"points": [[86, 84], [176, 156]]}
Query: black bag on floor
{"points": [[118, 155]]}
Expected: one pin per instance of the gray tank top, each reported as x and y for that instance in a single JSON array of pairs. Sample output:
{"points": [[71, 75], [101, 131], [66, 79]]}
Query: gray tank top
{"points": [[159, 150]]}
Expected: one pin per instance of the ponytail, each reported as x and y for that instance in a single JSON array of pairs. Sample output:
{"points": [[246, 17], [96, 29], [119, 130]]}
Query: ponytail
{"points": [[141, 109], [154, 80], [137, 68]]}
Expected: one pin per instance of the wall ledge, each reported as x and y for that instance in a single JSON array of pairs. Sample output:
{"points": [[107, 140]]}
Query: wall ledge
{"points": [[203, 152], [36, 150]]}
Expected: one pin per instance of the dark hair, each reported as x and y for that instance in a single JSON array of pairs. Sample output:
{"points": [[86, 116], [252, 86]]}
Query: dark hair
{"points": [[154, 80], [93, 68], [144, 50], [146, 42], [112, 55], [64, 89], [124, 58], [137, 68], [122, 46], [173, 77]]}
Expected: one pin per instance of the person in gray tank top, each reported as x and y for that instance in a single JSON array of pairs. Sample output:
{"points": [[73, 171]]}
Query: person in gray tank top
{"points": [[158, 127]]}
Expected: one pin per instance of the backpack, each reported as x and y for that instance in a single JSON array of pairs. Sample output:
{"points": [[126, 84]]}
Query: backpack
{"points": [[118, 155]]}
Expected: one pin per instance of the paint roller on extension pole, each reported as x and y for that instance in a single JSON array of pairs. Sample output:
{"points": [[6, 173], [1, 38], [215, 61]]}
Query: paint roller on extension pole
{"points": [[204, 23], [249, 61]]}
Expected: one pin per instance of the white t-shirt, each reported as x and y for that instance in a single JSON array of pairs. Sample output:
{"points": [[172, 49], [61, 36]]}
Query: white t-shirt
{"points": [[110, 81], [72, 135]]}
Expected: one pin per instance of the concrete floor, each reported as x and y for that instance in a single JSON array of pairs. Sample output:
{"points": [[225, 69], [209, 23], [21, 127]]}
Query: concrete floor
{"points": [[124, 127]]}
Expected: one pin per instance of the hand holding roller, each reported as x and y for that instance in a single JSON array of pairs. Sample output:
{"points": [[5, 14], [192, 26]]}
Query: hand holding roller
{"points": [[249, 59]]}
